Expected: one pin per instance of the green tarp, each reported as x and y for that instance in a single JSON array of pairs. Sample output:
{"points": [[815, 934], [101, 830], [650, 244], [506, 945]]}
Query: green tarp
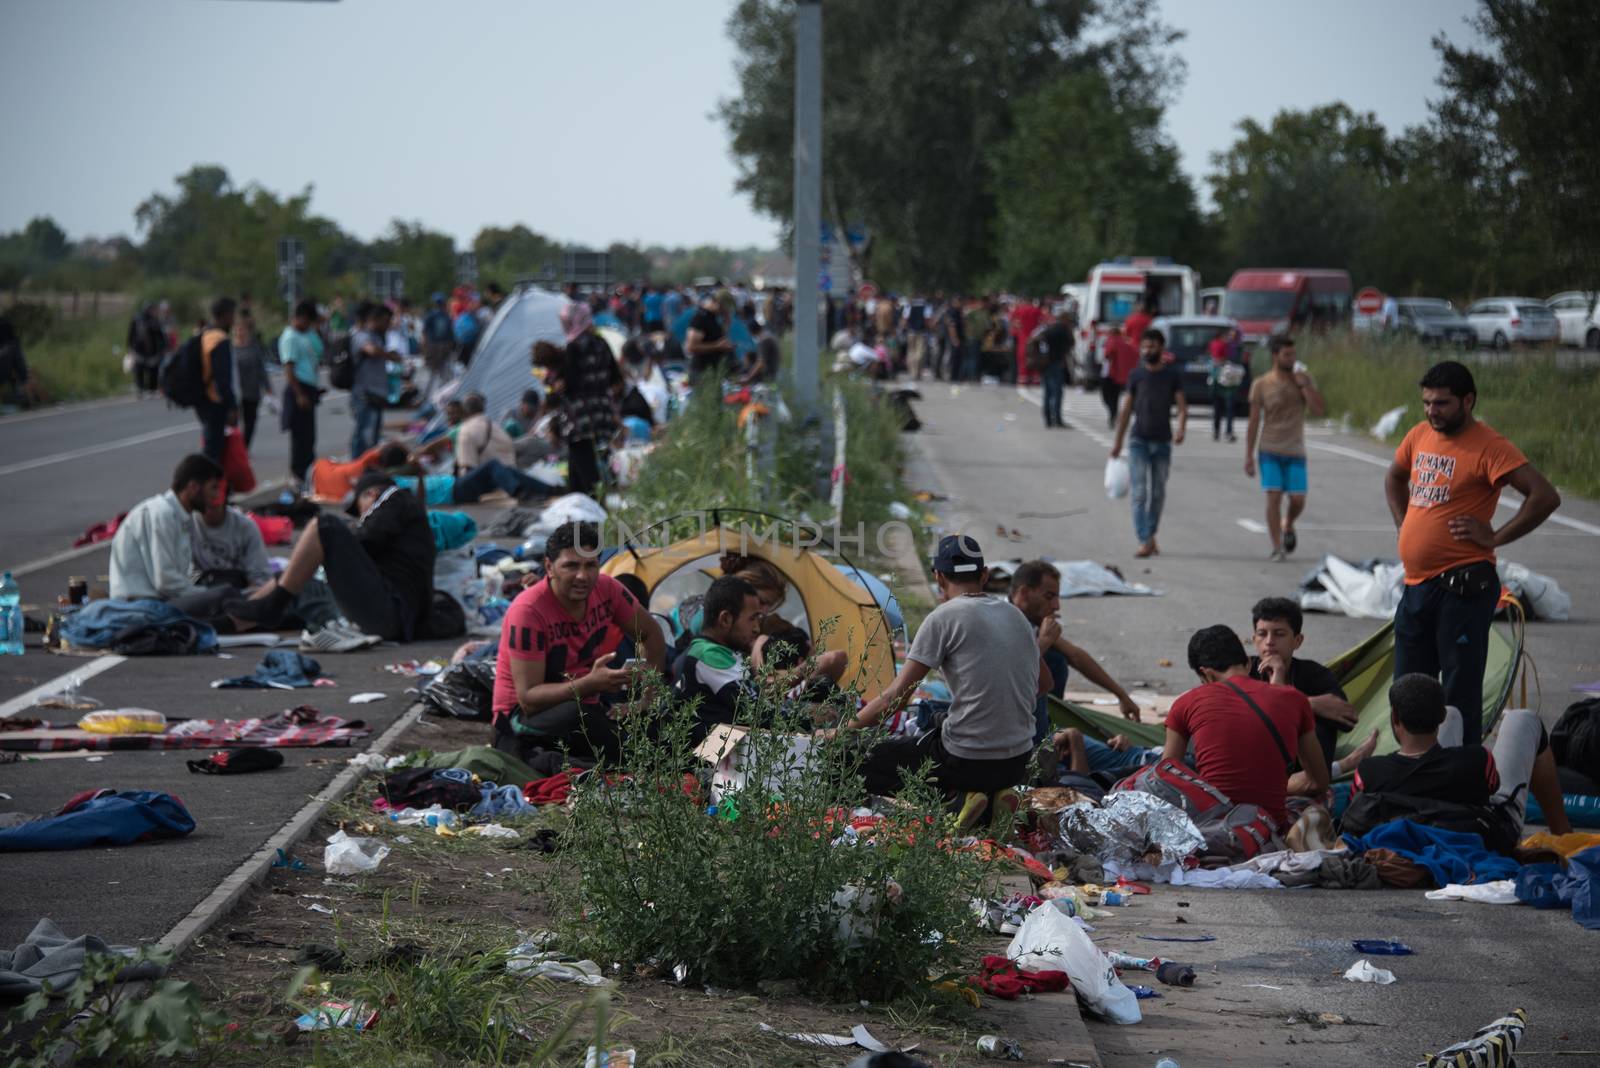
{"points": [[1364, 672]]}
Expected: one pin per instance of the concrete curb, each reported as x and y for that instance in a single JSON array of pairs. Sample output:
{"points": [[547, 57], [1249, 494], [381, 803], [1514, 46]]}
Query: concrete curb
{"points": [[231, 889]]}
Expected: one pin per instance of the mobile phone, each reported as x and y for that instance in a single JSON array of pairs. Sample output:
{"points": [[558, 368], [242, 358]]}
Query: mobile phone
{"points": [[634, 663]]}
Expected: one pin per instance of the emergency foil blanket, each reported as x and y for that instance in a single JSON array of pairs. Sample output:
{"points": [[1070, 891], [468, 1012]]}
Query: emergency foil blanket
{"points": [[1130, 827]]}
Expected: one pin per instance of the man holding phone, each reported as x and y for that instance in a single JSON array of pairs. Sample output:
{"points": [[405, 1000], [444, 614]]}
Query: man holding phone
{"points": [[552, 683]]}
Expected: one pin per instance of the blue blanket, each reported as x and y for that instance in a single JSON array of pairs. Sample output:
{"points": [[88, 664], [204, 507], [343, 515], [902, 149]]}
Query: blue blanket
{"points": [[109, 819], [1548, 886], [280, 669], [1451, 856], [452, 530], [97, 624]]}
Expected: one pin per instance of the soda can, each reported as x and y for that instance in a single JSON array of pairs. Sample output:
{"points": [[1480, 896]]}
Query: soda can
{"points": [[1000, 1049], [77, 589]]}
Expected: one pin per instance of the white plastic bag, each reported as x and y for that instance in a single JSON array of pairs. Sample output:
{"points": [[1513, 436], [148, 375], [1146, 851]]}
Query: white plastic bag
{"points": [[1053, 941], [352, 856], [1118, 477]]}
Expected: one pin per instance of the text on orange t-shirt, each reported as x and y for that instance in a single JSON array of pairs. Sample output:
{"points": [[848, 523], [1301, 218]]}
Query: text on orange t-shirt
{"points": [[1456, 475]]}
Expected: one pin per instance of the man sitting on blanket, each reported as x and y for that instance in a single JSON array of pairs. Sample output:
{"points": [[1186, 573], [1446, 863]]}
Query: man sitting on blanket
{"points": [[152, 553], [1433, 764]]}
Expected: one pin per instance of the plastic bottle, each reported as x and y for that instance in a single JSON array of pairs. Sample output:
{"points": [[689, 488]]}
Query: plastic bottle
{"points": [[1167, 1062], [10, 617]]}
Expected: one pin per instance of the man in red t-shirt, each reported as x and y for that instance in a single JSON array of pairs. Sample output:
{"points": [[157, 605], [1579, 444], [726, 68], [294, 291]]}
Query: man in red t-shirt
{"points": [[1442, 488], [1245, 733], [1027, 318], [1120, 355], [553, 680]]}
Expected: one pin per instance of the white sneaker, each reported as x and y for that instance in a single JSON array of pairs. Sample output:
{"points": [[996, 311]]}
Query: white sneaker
{"points": [[331, 639], [350, 630]]}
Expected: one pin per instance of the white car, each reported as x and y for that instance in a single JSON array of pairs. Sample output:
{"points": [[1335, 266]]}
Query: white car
{"points": [[1501, 322], [1578, 316]]}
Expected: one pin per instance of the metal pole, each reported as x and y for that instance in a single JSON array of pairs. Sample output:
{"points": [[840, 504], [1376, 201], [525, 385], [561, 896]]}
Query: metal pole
{"points": [[807, 200]]}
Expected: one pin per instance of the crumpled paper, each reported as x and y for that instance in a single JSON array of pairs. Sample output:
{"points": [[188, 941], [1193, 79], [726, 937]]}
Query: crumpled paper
{"points": [[1129, 827], [1362, 971]]}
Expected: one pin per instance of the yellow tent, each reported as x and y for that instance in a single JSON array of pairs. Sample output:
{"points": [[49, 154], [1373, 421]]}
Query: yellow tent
{"points": [[838, 613]]}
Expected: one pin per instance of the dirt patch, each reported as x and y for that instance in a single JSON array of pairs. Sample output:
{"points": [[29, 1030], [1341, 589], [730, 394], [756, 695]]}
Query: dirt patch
{"points": [[456, 897]]}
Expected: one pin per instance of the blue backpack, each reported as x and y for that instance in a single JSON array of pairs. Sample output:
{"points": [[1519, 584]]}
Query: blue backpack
{"points": [[466, 328]]}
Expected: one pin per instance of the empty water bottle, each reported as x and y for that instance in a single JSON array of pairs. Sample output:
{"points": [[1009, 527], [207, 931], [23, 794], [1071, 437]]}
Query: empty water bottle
{"points": [[10, 617]]}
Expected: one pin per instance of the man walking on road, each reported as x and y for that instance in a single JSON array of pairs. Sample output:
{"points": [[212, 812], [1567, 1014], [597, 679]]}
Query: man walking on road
{"points": [[300, 349], [1153, 387], [1054, 346], [1119, 355], [218, 407], [1278, 403], [1442, 489]]}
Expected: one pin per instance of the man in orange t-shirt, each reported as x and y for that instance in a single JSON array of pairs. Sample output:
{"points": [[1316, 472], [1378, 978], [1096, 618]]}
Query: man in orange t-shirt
{"points": [[1442, 488]]}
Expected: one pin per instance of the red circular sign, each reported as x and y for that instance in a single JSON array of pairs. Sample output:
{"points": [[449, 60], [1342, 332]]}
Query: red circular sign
{"points": [[1369, 301], [867, 291]]}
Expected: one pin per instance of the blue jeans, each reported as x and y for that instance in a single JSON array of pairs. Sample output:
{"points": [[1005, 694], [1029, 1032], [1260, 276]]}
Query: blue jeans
{"points": [[493, 475], [367, 411], [1148, 462], [213, 428], [1055, 375], [1446, 636], [1056, 661]]}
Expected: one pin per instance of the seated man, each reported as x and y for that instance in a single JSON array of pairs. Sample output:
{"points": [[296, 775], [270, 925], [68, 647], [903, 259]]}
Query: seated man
{"points": [[714, 670], [1275, 632], [1036, 591], [1246, 733], [228, 547], [986, 651], [380, 569], [152, 553], [552, 678], [1433, 764]]}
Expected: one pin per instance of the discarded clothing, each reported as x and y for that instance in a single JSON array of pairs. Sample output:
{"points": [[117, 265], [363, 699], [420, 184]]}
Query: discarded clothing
{"points": [[549, 791], [102, 531], [1499, 892], [452, 530], [1397, 871], [1367, 590], [238, 761], [1338, 872], [299, 727], [485, 762], [422, 787], [1546, 886], [1494, 1046], [1565, 844], [1285, 862], [183, 637], [102, 818], [1081, 578], [501, 801], [280, 669], [1002, 978], [1362, 971], [1224, 879], [47, 955], [100, 624], [1449, 856]]}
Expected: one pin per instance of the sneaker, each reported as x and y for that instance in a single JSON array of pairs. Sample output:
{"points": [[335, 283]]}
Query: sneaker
{"points": [[350, 629], [1289, 540], [330, 639], [1277, 554]]}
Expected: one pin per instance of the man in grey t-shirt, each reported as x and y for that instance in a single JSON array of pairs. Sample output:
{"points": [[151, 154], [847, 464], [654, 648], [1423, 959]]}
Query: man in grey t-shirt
{"points": [[986, 651], [369, 390]]}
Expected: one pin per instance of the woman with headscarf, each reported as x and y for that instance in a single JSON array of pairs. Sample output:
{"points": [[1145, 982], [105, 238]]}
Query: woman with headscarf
{"points": [[585, 397]]}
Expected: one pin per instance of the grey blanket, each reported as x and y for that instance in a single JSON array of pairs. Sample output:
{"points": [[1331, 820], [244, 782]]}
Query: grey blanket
{"points": [[49, 956]]}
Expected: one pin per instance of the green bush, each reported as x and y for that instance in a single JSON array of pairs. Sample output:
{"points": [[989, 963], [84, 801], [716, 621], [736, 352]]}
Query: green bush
{"points": [[1543, 400], [771, 885], [80, 359], [33, 321]]}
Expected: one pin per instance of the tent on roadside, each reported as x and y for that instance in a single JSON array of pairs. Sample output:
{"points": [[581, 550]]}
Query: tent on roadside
{"points": [[1365, 674], [823, 600], [501, 367]]}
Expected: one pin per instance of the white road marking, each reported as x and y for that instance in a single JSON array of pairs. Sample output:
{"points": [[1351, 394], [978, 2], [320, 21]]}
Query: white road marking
{"points": [[88, 670], [75, 454], [65, 409], [1036, 396], [1256, 526]]}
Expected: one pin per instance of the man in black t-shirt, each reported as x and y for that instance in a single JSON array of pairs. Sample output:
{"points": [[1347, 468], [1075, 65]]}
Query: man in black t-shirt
{"points": [[1432, 764], [707, 341], [1053, 346], [1153, 388]]}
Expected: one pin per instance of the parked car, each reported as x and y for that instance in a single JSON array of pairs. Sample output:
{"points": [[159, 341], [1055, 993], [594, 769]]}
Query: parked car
{"points": [[1501, 322], [1189, 339], [1285, 300], [1433, 322], [1577, 318]]}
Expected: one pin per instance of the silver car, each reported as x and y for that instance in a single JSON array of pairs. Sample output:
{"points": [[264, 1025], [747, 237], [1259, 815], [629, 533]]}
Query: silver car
{"points": [[1501, 322]]}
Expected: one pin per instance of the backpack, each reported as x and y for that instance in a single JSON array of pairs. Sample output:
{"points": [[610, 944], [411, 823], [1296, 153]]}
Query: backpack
{"points": [[182, 376], [1495, 824], [445, 619], [466, 328], [421, 787], [1233, 832], [1575, 739]]}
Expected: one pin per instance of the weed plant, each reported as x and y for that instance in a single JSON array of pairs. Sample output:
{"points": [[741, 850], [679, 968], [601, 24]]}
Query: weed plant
{"points": [[770, 883], [1543, 400]]}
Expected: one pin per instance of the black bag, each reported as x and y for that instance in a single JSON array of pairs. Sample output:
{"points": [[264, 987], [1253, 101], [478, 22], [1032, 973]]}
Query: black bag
{"points": [[179, 638], [238, 761], [182, 376], [445, 619], [464, 690], [418, 788], [1495, 824], [1575, 739], [342, 370]]}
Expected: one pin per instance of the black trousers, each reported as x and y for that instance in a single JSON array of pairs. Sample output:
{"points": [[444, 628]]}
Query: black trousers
{"points": [[1444, 634], [584, 730], [583, 466], [247, 420], [891, 758], [364, 595], [213, 426], [1111, 396]]}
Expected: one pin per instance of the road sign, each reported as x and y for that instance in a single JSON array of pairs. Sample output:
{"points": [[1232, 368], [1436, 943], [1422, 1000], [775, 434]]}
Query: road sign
{"points": [[291, 269], [386, 281], [867, 291], [1369, 301], [590, 270], [467, 268]]}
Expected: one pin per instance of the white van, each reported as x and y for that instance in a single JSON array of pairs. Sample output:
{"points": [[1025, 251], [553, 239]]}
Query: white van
{"points": [[1115, 289]]}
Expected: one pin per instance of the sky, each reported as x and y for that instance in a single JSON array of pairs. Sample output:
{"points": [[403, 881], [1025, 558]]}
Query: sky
{"points": [[589, 123]]}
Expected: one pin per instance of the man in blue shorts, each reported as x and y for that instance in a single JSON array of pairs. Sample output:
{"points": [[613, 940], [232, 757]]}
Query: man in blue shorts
{"points": [[1279, 401]]}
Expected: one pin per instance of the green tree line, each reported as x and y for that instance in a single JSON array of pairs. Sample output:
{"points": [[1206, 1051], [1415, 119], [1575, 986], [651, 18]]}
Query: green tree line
{"points": [[1015, 143]]}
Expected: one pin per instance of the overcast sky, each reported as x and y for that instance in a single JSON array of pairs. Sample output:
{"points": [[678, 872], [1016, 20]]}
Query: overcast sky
{"points": [[589, 122]]}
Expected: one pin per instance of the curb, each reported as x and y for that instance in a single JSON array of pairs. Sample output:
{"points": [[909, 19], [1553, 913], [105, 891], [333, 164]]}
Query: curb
{"points": [[227, 893]]}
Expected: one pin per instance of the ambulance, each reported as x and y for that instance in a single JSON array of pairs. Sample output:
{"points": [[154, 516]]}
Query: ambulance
{"points": [[1115, 289]]}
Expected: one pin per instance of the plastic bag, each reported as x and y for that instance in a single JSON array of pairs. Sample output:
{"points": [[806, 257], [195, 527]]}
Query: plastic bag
{"points": [[352, 856], [1050, 940], [123, 721], [1118, 477]]}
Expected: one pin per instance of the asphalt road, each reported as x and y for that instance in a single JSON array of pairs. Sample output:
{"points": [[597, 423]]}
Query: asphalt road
{"points": [[987, 449], [60, 471]]}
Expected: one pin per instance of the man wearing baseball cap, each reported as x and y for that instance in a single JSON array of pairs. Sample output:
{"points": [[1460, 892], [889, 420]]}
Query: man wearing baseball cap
{"points": [[986, 651]]}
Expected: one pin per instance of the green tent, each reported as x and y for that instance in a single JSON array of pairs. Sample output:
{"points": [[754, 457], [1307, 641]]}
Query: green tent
{"points": [[1364, 672]]}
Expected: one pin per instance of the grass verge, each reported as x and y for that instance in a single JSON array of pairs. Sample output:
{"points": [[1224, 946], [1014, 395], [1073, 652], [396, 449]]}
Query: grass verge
{"points": [[78, 359], [1543, 400]]}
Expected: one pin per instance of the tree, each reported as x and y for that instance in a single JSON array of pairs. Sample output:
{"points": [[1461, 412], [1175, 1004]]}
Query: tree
{"points": [[917, 94], [1305, 191], [1525, 116], [1082, 179], [429, 257]]}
